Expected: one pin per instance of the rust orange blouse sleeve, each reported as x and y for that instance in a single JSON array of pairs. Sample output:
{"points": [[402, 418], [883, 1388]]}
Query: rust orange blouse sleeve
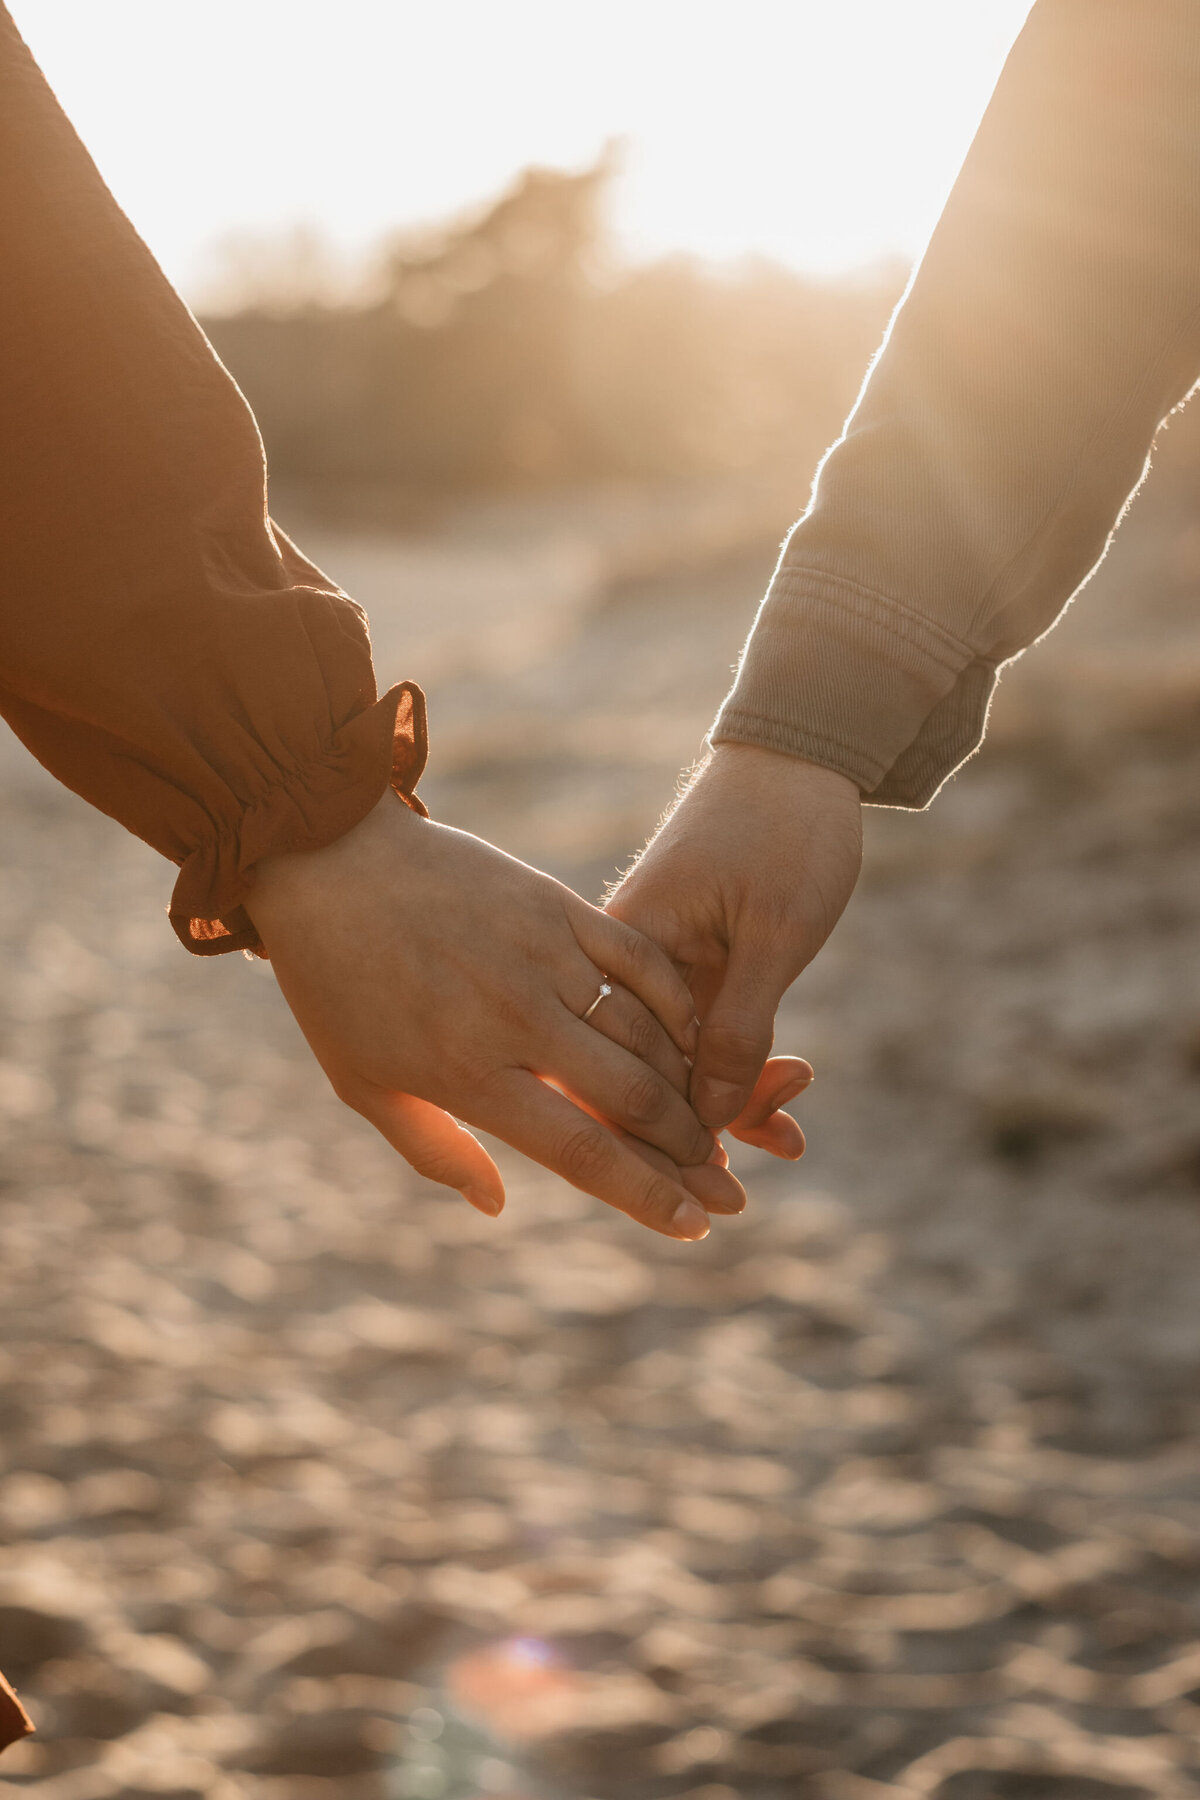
{"points": [[164, 649]]}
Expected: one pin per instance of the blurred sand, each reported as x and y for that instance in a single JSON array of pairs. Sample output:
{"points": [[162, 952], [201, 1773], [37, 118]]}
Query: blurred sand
{"points": [[317, 1486]]}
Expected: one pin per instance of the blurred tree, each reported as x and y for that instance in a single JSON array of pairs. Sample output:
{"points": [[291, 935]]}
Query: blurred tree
{"points": [[491, 354]]}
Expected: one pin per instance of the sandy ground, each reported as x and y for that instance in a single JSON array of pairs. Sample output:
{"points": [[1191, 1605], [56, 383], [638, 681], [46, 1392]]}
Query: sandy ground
{"points": [[314, 1485]]}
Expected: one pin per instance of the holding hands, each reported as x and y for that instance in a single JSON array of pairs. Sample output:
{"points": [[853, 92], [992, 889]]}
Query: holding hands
{"points": [[437, 979]]}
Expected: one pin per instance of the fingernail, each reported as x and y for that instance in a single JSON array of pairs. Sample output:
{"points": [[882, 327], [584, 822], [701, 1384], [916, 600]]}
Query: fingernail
{"points": [[689, 1221], [717, 1102], [691, 1037], [484, 1202]]}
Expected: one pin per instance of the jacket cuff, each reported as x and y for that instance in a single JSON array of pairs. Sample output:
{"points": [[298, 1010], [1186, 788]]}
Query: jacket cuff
{"points": [[851, 679], [386, 745]]}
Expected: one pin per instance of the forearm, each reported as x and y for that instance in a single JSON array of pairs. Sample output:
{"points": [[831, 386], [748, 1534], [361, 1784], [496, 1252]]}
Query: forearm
{"points": [[1054, 321], [163, 650]]}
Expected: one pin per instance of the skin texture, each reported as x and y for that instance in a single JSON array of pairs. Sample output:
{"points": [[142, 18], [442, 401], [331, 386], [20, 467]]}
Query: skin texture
{"points": [[437, 979], [741, 885]]}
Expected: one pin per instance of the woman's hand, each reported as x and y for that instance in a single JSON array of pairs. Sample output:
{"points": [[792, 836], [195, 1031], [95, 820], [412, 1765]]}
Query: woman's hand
{"points": [[434, 976]]}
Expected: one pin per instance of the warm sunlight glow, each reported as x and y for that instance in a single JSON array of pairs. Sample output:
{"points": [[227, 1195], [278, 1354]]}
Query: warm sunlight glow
{"points": [[824, 135]]}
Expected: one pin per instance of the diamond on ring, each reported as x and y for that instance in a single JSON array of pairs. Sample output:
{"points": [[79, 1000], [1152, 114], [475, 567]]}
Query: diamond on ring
{"points": [[605, 991]]}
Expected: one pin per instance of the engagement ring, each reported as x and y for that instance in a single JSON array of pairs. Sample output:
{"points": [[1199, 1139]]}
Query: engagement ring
{"points": [[605, 991]]}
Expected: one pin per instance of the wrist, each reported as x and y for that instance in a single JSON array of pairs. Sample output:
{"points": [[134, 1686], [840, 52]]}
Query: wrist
{"points": [[755, 765], [300, 879]]}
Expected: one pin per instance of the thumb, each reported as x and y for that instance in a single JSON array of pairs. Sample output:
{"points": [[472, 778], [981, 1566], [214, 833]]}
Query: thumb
{"points": [[736, 1034]]}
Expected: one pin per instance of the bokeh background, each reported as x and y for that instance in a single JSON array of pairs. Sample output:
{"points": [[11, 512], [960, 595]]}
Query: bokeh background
{"points": [[314, 1485]]}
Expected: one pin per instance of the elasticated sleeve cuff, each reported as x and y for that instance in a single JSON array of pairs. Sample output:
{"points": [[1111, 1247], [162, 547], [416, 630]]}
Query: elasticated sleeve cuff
{"points": [[165, 650], [860, 683], [385, 745]]}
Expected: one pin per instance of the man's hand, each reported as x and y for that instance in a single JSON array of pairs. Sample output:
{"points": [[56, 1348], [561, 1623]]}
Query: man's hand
{"points": [[741, 885], [436, 978]]}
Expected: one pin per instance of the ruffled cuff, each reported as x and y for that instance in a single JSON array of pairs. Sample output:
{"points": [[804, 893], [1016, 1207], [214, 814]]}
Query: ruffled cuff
{"points": [[385, 745]]}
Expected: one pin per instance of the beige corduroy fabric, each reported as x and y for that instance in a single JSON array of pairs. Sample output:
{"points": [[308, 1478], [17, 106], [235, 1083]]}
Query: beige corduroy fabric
{"points": [[1052, 323]]}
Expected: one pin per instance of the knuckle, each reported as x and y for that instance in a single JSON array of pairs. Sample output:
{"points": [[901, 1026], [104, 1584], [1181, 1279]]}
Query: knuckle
{"points": [[585, 1153], [657, 1200], [509, 1008], [462, 1074], [642, 1036], [638, 951], [488, 1087], [645, 1098], [736, 1045]]}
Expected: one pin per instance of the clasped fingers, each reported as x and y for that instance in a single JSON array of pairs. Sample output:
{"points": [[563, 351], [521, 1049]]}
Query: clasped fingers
{"points": [[613, 1082]]}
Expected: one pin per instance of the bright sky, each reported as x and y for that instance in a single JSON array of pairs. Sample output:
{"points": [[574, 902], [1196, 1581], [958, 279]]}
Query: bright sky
{"points": [[824, 133]]}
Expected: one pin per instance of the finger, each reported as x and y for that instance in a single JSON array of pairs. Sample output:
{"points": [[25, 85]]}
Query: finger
{"points": [[623, 1019], [712, 1183], [780, 1135], [626, 956], [761, 1121], [434, 1144], [716, 1188], [781, 1080], [535, 1118], [735, 1038], [634, 1096]]}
